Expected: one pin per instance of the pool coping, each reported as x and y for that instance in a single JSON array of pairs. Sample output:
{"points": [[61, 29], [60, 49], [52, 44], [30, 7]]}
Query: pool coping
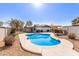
{"points": [[27, 45]]}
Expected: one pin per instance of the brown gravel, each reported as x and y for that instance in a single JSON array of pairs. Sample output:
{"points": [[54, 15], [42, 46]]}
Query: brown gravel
{"points": [[74, 42], [15, 50]]}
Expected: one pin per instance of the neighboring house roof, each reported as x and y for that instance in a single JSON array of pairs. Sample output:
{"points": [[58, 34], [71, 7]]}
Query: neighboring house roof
{"points": [[75, 24], [29, 27], [6, 25], [42, 25]]}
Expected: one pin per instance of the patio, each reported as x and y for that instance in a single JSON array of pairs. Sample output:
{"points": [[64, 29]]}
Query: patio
{"points": [[63, 49], [74, 42]]}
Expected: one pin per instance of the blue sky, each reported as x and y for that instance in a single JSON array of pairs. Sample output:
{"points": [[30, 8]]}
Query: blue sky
{"points": [[51, 13]]}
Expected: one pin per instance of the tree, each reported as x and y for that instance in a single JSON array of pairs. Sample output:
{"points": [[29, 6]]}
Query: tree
{"points": [[16, 25], [34, 27], [1, 23], [53, 28], [75, 21], [28, 23]]}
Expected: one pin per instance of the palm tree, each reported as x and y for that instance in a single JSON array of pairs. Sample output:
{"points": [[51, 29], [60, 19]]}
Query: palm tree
{"points": [[16, 25]]}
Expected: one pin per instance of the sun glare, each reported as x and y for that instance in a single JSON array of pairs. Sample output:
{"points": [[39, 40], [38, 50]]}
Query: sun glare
{"points": [[37, 4]]}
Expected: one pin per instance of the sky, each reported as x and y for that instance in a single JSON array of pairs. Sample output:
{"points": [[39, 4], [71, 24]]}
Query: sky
{"points": [[46, 13]]}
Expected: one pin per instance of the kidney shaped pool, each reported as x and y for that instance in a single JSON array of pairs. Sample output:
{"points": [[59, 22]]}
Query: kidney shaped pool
{"points": [[42, 39]]}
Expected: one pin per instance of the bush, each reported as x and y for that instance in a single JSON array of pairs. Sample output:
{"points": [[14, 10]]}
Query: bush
{"points": [[9, 40], [72, 36]]}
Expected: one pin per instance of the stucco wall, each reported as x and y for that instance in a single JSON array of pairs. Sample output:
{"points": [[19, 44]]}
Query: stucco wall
{"points": [[75, 30], [3, 32]]}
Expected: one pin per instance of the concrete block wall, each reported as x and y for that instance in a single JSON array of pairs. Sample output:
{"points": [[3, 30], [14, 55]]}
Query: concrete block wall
{"points": [[75, 30], [3, 34]]}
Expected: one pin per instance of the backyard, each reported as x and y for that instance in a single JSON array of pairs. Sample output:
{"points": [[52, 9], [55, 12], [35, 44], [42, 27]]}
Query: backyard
{"points": [[14, 44], [17, 50]]}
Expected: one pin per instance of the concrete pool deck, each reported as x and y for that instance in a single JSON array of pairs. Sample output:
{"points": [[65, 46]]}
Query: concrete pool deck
{"points": [[64, 48]]}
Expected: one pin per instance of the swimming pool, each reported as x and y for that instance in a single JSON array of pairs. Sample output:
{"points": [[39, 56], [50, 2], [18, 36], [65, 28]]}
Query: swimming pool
{"points": [[42, 39]]}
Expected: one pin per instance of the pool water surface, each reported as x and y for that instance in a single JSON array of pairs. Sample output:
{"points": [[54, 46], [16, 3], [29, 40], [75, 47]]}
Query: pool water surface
{"points": [[42, 39]]}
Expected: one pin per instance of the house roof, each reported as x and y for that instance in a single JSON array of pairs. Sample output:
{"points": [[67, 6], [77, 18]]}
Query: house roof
{"points": [[75, 24], [42, 25]]}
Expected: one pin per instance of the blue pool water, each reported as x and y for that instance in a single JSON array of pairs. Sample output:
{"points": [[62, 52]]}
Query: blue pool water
{"points": [[42, 39]]}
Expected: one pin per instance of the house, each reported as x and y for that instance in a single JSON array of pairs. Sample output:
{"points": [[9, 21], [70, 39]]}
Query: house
{"points": [[42, 28], [29, 29]]}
